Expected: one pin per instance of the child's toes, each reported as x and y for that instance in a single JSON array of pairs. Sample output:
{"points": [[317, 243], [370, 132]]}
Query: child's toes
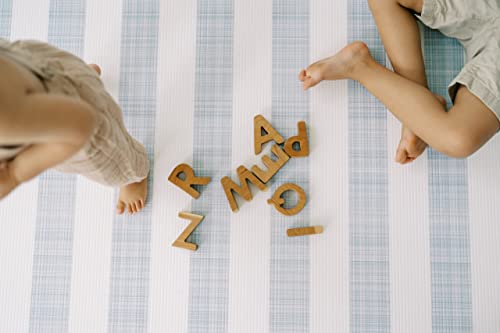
{"points": [[96, 68], [302, 75], [120, 207], [309, 82], [401, 155]]}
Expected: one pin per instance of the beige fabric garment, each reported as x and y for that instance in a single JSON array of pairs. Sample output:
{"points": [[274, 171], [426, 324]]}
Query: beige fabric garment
{"points": [[476, 25], [111, 156]]}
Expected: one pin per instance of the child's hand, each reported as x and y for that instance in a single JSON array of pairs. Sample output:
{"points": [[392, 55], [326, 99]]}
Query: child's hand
{"points": [[7, 181]]}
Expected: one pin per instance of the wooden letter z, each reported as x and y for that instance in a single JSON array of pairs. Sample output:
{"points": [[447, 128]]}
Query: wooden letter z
{"points": [[181, 240]]}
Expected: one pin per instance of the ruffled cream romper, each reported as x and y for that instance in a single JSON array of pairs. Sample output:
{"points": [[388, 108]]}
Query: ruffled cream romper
{"points": [[111, 156]]}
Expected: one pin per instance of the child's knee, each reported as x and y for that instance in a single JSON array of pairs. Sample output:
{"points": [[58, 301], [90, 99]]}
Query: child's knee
{"points": [[461, 145]]}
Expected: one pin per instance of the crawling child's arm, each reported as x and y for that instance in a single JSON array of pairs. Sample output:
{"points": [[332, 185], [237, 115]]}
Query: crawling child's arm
{"points": [[55, 126]]}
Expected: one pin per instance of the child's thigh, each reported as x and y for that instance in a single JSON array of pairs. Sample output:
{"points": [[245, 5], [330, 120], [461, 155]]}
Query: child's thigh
{"points": [[473, 116], [414, 5]]}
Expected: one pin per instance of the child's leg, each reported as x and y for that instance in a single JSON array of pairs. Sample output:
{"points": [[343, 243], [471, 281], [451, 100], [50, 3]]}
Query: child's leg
{"points": [[399, 32], [132, 197], [458, 133]]}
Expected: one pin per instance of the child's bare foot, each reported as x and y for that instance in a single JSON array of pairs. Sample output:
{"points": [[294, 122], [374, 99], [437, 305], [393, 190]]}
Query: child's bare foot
{"points": [[336, 67], [132, 197], [411, 146], [7, 180], [96, 68]]}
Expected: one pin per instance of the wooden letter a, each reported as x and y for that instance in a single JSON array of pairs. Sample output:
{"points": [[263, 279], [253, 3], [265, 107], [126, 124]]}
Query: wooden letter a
{"points": [[260, 123]]}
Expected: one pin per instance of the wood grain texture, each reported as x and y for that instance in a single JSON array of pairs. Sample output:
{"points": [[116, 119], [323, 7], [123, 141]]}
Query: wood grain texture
{"points": [[278, 201], [181, 240], [243, 190], [301, 139], [260, 123], [294, 232], [191, 179], [272, 166]]}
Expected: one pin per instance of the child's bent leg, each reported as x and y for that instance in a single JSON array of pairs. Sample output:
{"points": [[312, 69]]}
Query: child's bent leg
{"points": [[400, 35], [457, 133], [401, 38]]}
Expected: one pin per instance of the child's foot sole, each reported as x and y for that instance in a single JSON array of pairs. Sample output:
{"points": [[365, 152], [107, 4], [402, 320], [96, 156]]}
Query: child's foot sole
{"points": [[337, 67]]}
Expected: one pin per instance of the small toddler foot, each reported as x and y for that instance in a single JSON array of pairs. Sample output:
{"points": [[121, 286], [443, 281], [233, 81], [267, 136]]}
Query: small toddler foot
{"points": [[132, 197], [337, 67], [7, 180], [96, 68], [411, 146]]}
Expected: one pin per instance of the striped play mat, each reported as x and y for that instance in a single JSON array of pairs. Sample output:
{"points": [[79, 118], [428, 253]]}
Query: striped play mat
{"points": [[404, 249]]}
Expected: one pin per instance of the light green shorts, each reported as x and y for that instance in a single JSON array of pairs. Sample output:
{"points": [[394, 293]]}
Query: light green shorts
{"points": [[476, 25]]}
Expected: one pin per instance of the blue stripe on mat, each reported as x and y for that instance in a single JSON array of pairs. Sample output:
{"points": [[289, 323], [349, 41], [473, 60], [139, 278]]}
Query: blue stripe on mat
{"points": [[5, 18], [130, 262], [448, 205], [289, 294], [209, 269], [368, 190], [52, 259]]}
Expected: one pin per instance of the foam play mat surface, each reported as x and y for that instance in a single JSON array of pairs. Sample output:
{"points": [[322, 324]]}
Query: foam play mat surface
{"points": [[404, 249]]}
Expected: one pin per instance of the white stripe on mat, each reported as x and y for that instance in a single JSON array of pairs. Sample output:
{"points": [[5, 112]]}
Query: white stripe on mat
{"points": [[250, 241], [174, 137], [95, 206], [18, 212], [484, 198], [409, 245], [409, 239], [329, 178]]}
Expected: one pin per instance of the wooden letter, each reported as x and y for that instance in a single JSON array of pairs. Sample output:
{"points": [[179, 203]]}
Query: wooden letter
{"points": [[272, 166], [181, 240], [304, 231], [278, 201], [244, 190], [301, 139], [190, 180], [260, 123]]}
